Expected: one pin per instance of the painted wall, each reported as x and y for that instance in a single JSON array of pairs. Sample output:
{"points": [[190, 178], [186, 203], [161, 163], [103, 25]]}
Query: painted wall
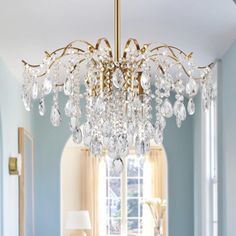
{"points": [[227, 143], [13, 116], [50, 142]]}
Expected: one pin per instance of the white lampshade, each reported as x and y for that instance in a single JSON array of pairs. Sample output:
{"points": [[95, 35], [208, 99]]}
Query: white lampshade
{"points": [[76, 220]]}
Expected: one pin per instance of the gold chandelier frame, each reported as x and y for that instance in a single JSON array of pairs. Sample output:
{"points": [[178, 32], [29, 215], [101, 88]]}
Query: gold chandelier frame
{"points": [[173, 53]]}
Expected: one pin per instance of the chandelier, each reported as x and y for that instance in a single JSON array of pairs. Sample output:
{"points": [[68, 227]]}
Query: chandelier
{"points": [[128, 96]]}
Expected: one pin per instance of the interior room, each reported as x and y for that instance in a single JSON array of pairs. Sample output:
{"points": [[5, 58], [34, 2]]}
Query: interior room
{"points": [[117, 118]]}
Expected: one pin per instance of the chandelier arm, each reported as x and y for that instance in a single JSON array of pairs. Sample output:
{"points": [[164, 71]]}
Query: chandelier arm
{"points": [[105, 40], [89, 45], [127, 45], [175, 59], [49, 55], [50, 66], [64, 49], [211, 65]]}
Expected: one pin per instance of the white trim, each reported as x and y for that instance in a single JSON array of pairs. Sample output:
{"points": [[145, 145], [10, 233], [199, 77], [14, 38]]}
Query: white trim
{"points": [[1, 178], [209, 172]]}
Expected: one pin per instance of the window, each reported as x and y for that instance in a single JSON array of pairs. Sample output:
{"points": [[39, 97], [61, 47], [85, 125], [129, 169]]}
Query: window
{"points": [[210, 174], [124, 197]]}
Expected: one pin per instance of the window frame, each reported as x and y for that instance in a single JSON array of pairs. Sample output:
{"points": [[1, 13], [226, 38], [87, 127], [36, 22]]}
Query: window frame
{"points": [[124, 196], [209, 174]]}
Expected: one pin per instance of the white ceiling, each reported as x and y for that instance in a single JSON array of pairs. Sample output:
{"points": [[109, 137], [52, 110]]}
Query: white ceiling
{"points": [[29, 27]]}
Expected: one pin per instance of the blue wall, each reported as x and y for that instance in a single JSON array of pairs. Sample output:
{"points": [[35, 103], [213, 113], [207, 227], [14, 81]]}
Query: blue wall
{"points": [[50, 142], [227, 143], [12, 116]]}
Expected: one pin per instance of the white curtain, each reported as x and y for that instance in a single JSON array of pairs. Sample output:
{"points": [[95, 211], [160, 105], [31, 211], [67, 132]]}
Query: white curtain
{"points": [[93, 187], [154, 185]]}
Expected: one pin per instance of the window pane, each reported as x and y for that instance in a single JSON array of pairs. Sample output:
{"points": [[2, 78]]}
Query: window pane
{"points": [[132, 207], [107, 187], [132, 188], [114, 188], [133, 227], [113, 207], [133, 166], [141, 187], [114, 227], [141, 164], [141, 208]]}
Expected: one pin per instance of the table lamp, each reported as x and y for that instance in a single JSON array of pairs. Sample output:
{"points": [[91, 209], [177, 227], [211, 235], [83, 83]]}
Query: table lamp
{"points": [[78, 220]]}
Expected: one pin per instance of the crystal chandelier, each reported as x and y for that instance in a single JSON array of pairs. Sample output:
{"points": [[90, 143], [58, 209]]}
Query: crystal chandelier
{"points": [[120, 91]]}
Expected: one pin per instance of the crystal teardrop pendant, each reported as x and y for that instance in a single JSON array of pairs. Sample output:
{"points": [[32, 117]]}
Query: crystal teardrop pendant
{"points": [[180, 110], [167, 109], [178, 122], [158, 137], [74, 123], [191, 87], [118, 78], [122, 147], [149, 129], [130, 128], [47, 86], [146, 80], [106, 128], [68, 87], [42, 107], [117, 165], [160, 122], [191, 107], [55, 115], [142, 146], [35, 91], [100, 105], [77, 135], [70, 108], [96, 146], [26, 101]]}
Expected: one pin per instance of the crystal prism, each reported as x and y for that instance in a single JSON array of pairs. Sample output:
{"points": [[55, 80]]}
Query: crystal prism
{"points": [[96, 146], [158, 137], [55, 115], [47, 86], [142, 146], [180, 110], [191, 87], [77, 135], [74, 123], [145, 80], [191, 107], [100, 105], [117, 165], [149, 129], [106, 128], [70, 108], [42, 107], [118, 78], [35, 91], [167, 109], [26, 101], [68, 87]]}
